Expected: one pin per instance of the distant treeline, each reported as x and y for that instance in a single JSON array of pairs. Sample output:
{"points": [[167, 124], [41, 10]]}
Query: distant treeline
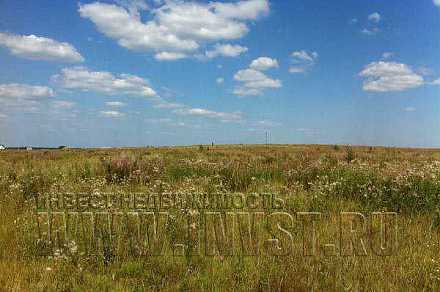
{"points": [[36, 148]]}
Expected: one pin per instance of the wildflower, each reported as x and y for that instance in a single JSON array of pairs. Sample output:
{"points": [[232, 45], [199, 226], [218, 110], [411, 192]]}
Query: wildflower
{"points": [[73, 247]]}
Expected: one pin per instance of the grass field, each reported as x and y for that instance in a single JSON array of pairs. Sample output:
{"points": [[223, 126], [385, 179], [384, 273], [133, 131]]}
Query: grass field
{"points": [[327, 179]]}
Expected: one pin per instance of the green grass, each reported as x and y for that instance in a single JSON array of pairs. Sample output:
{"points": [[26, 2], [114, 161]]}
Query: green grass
{"points": [[328, 179]]}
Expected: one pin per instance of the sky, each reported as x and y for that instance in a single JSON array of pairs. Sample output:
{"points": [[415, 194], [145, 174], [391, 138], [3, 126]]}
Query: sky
{"points": [[173, 72]]}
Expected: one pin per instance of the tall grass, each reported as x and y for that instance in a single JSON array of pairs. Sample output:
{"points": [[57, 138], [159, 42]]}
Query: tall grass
{"points": [[309, 178]]}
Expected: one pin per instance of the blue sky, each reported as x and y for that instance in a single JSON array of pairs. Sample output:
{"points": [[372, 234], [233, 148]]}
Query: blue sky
{"points": [[153, 72]]}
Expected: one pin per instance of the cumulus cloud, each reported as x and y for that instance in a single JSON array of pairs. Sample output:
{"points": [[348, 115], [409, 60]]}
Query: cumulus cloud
{"points": [[81, 78], [253, 82], [220, 80], [23, 97], [436, 2], [263, 64], [115, 104], [374, 17], [24, 91], [222, 116], [242, 10], [225, 50], [436, 82], [389, 76], [169, 56], [40, 48], [111, 114], [104, 82], [302, 61], [175, 26]]}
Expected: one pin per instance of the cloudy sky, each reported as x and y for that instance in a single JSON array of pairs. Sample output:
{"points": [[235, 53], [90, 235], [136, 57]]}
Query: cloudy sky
{"points": [[169, 72]]}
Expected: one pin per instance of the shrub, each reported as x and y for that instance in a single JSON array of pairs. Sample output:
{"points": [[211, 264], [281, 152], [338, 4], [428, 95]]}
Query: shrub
{"points": [[349, 154]]}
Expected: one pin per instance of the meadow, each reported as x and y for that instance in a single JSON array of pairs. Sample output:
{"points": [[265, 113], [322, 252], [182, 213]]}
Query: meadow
{"points": [[308, 178]]}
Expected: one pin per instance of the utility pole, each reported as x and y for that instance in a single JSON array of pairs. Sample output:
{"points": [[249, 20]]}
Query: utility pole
{"points": [[267, 138]]}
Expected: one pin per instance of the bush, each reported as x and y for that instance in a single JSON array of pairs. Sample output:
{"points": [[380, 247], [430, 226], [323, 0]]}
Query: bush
{"points": [[349, 154]]}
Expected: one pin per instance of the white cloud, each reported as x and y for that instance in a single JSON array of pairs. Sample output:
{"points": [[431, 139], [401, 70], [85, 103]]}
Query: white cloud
{"points": [[222, 116], [389, 76], [302, 61], [23, 98], [169, 56], [372, 26], [305, 56], [372, 31], [24, 91], [436, 2], [104, 82], [353, 21], [254, 82], [175, 26], [244, 91], [263, 64], [410, 109], [220, 80], [225, 50], [436, 82], [387, 55], [251, 9], [3, 116], [256, 79], [63, 104], [297, 69], [117, 23], [374, 17], [111, 114], [40, 48], [115, 104]]}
